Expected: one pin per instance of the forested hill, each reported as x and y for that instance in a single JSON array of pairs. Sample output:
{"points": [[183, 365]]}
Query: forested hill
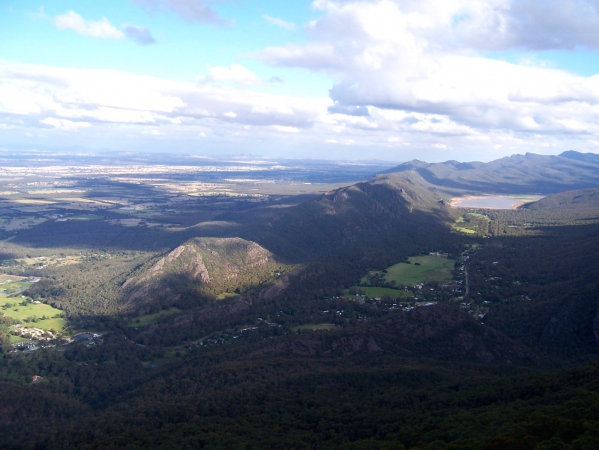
{"points": [[529, 173], [353, 217], [568, 201], [200, 266]]}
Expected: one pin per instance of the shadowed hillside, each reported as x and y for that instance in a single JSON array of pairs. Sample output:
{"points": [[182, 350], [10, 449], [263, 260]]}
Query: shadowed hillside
{"points": [[353, 217]]}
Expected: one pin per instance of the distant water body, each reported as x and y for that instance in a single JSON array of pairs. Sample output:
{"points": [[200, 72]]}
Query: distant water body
{"points": [[488, 202]]}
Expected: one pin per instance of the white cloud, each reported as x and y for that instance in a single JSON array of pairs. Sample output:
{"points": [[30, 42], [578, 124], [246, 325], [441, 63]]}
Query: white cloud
{"points": [[415, 66], [64, 124], [188, 10], [411, 76], [111, 97], [285, 129], [235, 74], [102, 29], [279, 22]]}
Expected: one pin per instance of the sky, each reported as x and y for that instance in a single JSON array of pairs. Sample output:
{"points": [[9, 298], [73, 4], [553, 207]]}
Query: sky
{"points": [[391, 80]]}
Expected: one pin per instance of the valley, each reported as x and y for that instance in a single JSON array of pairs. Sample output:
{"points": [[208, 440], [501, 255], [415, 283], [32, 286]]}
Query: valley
{"points": [[280, 304]]}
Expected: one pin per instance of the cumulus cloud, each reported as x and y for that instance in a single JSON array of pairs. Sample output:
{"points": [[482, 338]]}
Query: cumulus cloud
{"points": [[63, 97], [423, 59], [531, 24], [188, 10], [279, 22], [141, 35], [64, 124], [235, 74], [410, 76], [102, 29]]}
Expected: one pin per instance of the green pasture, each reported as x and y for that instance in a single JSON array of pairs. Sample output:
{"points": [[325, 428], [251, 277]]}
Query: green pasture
{"points": [[149, 319], [379, 292], [19, 312], [14, 339], [464, 230], [423, 269], [471, 223], [225, 295], [14, 287]]}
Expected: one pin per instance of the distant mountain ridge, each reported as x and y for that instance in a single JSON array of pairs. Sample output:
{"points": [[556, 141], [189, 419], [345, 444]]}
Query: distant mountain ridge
{"points": [[529, 173]]}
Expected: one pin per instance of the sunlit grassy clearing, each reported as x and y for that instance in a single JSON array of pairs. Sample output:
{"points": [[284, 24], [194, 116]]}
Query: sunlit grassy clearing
{"points": [[464, 230], [225, 295], [152, 318], [423, 269], [38, 310]]}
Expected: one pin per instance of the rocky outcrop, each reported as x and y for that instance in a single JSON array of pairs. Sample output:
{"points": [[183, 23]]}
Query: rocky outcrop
{"points": [[208, 265]]}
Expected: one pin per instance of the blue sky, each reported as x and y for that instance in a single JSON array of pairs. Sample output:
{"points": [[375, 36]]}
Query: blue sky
{"points": [[385, 79]]}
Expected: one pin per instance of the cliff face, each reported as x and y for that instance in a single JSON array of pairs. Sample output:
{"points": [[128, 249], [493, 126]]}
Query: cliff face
{"points": [[207, 265]]}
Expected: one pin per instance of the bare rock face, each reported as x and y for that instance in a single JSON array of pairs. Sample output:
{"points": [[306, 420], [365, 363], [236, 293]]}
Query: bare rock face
{"points": [[210, 265]]}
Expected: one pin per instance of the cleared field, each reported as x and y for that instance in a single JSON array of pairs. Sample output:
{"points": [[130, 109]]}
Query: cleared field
{"points": [[11, 288], [49, 261], [85, 217], [21, 223], [7, 278], [464, 230], [379, 292], [33, 201], [423, 269], [152, 318], [19, 312], [471, 223], [225, 295]]}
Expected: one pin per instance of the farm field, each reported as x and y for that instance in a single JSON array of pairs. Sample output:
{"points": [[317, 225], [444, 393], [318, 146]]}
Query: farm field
{"points": [[20, 312], [422, 269], [85, 217], [472, 223], [149, 319], [11, 285]]}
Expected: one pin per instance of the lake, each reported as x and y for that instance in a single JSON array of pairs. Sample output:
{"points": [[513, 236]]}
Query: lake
{"points": [[489, 202]]}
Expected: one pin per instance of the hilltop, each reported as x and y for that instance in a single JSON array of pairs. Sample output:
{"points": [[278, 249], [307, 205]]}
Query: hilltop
{"points": [[204, 267]]}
